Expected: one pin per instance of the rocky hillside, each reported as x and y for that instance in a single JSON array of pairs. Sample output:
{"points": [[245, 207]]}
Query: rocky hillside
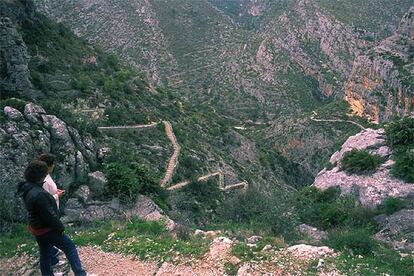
{"points": [[247, 61], [379, 185], [382, 81]]}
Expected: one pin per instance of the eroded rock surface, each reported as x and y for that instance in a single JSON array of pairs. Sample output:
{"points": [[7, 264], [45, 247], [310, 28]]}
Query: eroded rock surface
{"points": [[24, 136], [381, 83], [371, 189], [398, 230], [82, 209]]}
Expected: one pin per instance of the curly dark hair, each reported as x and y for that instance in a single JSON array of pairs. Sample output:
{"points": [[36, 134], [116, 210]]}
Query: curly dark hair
{"points": [[36, 171], [48, 158]]}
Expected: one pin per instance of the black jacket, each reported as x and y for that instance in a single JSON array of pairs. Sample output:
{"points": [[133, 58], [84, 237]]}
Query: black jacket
{"points": [[41, 206]]}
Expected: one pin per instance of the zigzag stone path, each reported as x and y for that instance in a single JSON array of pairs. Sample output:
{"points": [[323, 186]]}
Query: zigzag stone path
{"points": [[103, 129], [173, 161], [241, 185]]}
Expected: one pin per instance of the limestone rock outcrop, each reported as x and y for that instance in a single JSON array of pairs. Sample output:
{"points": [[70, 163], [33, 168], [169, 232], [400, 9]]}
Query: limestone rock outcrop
{"points": [[371, 189], [85, 210], [14, 69], [25, 135]]}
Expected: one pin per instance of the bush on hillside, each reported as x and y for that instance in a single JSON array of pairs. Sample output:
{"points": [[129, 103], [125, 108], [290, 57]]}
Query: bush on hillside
{"points": [[357, 241], [269, 213], [391, 205], [404, 165], [400, 137], [360, 162], [13, 102], [400, 132], [328, 209], [126, 182], [197, 203]]}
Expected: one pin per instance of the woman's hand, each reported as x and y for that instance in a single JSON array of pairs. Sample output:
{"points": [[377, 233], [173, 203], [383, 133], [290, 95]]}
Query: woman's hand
{"points": [[60, 193]]}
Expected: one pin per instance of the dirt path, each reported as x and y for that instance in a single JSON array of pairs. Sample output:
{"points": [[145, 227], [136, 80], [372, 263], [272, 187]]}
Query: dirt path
{"points": [[101, 263], [104, 263]]}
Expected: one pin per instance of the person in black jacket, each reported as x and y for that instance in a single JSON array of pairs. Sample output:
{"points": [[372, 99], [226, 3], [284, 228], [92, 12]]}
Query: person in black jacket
{"points": [[44, 222]]}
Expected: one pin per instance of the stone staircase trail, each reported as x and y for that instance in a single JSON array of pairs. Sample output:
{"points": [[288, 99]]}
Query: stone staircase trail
{"points": [[111, 128], [173, 162], [335, 120], [241, 185]]}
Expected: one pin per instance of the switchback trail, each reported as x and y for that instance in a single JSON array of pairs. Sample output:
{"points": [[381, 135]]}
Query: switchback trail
{"points": [[241, 185], [173, 162], [152, 125], [312, 117]]}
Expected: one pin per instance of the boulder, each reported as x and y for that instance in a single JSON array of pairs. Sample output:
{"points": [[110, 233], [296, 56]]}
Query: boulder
{"points": [[97, 183], [254, 239], [397, 230], [146, 209], [83, 210], [309, 252], [312, 232], [33, 113], [83, 194], [13, 114]]}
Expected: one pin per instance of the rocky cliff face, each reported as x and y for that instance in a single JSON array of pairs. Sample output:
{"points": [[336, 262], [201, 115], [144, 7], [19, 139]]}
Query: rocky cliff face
{"points": [[382, 81], [371, 189], [322, 46], [26, 134], [14, 71]]}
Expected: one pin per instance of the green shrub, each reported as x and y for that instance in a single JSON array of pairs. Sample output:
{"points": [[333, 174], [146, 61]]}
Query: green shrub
{"points": [[126, 182], [230, 269], [198, 202], [404, 164], [391, 205], [400, 137], [357, 241], [269, 213], [360, 162], [13, 102], [327, 209], [400, 132]]}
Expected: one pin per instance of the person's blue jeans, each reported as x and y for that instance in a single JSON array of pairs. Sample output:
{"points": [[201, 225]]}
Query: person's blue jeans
{"points": [[64, 243], [54, 252]]}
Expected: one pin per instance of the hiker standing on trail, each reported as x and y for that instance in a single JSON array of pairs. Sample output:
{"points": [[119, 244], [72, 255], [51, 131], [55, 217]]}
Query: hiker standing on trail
{"points": [[50, 186], [44, 222]]}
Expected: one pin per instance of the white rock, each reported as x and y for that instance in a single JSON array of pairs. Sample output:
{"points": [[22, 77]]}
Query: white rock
{"points": [[309, 252], [254, 239], [267, 247]]}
